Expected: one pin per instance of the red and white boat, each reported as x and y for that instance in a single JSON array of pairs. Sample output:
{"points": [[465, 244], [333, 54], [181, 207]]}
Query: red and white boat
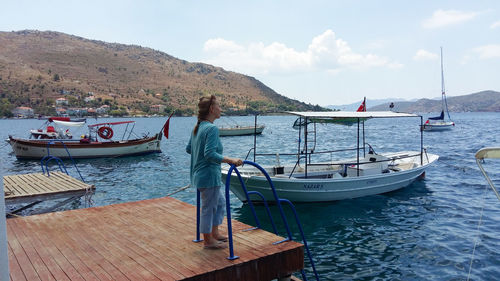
{"points": [[98, 143]]}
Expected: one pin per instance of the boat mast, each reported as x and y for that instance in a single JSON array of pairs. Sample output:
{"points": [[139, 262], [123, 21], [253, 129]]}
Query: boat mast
{"points": [[444, 103]]}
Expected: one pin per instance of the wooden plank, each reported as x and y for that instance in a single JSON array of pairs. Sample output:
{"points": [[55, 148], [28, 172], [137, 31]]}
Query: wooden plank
{"points": [[144, 240], [28, 271], [68, 245], [16, 273], [80, 234], [106, 232], [37, 186], [17, 186], [140, 243], [50, 260]]}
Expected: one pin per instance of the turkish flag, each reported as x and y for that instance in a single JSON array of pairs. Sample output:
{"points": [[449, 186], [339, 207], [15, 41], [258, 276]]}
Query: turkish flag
{"points": [[166, 126]]}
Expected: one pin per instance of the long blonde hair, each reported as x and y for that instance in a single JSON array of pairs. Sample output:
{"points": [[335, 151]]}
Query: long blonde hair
{"points": [[203, 110]]}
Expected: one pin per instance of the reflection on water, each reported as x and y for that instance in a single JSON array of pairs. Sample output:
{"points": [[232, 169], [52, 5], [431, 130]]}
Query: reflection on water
{"points": [[423, 232]]}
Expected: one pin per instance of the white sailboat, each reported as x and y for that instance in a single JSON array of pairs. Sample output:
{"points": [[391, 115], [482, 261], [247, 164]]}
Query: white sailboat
{"points": [[439, 123]]}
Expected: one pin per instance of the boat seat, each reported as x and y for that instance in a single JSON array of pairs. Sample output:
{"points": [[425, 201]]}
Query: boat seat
{"points": [[373, 164]]}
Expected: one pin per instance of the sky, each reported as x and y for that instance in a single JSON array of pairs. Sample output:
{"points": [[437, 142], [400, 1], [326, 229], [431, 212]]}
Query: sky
{"points": [[319, 52]]}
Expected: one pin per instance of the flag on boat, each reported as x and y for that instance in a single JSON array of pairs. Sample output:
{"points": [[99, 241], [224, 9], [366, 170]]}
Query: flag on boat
{"points": [[362, 107], [166, 126]]}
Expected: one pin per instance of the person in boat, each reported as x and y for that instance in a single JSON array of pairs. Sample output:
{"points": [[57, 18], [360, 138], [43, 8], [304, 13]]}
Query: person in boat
{"points": [[206, 151]]}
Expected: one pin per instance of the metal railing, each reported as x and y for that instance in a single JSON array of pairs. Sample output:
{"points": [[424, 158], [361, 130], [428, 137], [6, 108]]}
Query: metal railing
{"points": [[278, 201], [46, 159]]}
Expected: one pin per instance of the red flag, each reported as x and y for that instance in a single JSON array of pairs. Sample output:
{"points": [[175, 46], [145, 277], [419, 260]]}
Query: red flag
{"points": [[166, 126], [362, 107]]}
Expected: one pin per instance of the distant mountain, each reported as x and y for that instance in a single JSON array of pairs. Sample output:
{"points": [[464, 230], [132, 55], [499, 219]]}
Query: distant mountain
{"points": [[369, 103], [38, 67], [485, 101]]}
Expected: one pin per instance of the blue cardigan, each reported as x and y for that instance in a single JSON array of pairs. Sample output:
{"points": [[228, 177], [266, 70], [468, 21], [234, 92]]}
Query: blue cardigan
{"points": [[206, 156]]}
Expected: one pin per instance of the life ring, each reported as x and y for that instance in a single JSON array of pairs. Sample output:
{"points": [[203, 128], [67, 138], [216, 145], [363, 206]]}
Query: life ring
{"points": [[105, 132]]}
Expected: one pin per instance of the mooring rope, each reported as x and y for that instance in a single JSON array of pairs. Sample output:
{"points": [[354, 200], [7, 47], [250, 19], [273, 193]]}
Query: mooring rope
{"points": [[179, 190], [476, 242]]}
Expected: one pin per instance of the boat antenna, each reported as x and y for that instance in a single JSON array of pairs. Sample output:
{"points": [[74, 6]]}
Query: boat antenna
{"points": [[443, 91]]}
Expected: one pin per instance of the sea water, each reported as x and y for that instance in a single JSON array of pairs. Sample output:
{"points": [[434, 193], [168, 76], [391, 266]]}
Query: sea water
{"points": [[426, 231]]}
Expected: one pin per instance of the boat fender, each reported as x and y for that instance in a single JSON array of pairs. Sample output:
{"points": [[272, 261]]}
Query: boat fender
{"points": [[105, 132]]}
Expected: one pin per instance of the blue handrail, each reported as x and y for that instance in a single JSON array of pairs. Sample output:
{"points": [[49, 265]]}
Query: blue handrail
{"points": [[48, 158], [278, 203]]}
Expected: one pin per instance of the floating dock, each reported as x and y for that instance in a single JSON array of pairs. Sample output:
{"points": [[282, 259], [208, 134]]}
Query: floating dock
{"points": [[143, 240], [35, 188]]}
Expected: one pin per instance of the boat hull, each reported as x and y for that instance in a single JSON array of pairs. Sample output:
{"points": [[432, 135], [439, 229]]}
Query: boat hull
{"points": [[37, 149], [440, 126], [329, 189], [240, 131]]}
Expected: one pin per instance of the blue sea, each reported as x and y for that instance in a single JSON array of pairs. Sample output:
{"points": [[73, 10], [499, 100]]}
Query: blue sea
{"points": [[444, 227]]}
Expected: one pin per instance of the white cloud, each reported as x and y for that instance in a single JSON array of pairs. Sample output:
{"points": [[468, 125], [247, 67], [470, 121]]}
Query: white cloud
{"points": [[324, 53], [441, 18], [424, 55], [495, 24], [488, 51]]}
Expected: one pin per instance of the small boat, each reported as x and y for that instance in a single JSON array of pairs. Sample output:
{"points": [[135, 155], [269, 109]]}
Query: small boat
{"points": [[98, 143], [241, 130], [439, 123], [488, 152], [238, 130], [361, 175]]}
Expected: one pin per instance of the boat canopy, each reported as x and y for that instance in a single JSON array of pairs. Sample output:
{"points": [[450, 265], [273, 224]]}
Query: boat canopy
{"points": [[51, 119], [110, 124], [351, 114], [69, 123], [488, 152]]}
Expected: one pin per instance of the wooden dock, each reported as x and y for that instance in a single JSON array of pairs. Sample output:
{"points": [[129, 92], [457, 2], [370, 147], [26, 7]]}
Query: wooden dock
{"points": [[144, 240], [27, 188]]}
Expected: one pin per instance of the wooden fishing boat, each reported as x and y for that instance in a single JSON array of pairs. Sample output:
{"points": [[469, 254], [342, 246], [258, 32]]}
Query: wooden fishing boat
{"points": [[361, 175], [98, 143]]}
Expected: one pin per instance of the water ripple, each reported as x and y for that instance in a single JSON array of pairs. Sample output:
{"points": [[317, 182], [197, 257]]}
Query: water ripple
{"points": [[426, 231]]}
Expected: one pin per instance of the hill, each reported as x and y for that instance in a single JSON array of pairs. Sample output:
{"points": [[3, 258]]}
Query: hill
{"points": [[477, 102], [38, 67]]}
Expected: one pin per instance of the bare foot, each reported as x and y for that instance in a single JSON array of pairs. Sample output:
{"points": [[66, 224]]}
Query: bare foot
{"points": [[221, 238], [215, 246]]}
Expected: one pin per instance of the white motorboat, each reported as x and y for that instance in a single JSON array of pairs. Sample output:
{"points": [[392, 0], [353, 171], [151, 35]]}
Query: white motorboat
{"points": [[241, 130], [439, 123], [488, 152], [98, 143], [361, 175]]}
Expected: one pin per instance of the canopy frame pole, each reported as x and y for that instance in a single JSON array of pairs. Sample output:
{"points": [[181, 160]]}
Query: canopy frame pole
{"points": [[357, 153], [255, 138], [305, 142], [421, 141]]}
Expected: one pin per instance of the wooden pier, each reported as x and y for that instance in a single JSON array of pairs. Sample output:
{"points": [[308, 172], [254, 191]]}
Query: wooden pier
{"points": [[144, 240], [31, 189]]}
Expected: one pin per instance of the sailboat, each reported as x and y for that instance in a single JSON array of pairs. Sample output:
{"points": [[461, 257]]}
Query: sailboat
{"points": [[439, 123]]}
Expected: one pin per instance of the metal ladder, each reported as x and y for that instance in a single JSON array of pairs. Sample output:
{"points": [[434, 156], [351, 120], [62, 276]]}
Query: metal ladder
{"points": [[278, 200], [47, 158]]}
